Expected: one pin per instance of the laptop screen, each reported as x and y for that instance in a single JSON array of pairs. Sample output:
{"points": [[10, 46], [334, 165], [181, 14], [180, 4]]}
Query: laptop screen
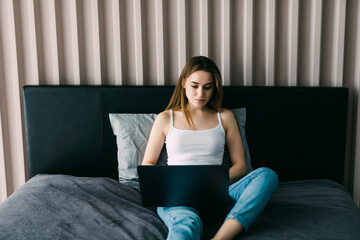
{"points": [[185, 185]]}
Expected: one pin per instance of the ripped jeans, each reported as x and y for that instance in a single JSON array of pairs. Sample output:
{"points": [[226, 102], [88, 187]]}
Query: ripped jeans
{"points": [[250, 195]]}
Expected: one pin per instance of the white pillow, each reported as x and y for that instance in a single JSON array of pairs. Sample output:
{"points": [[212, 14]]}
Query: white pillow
{"points": [[240, 115], [132, 132]]}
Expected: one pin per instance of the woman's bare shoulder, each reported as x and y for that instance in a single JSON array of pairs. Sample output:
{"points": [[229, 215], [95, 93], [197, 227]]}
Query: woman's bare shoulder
{"points": [[163, 116], [226, 113], [162, 122], [227, 118]]}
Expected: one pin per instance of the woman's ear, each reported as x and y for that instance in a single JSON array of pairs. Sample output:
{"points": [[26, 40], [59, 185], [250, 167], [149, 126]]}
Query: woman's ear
{"points": [[183, 82]]}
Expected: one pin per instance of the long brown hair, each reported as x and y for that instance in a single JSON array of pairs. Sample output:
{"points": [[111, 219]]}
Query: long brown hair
{"points": [[179, 100]]}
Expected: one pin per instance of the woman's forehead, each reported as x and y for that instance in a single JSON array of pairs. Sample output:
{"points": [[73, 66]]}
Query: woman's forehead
{"points": [[201, 77]]}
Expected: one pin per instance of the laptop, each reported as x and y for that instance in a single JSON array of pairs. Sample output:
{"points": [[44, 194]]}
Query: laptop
{"points": [[195, 186]]}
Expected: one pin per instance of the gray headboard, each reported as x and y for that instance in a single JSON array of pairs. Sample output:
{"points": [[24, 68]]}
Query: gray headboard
{"points": [[300, 132]]}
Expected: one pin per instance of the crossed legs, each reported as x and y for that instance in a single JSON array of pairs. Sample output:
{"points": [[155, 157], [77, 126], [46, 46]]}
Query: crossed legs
{"points": [[250, 194]]}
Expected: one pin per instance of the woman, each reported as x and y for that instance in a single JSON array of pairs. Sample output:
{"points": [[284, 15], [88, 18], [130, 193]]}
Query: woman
{"points": [[195, 130]]}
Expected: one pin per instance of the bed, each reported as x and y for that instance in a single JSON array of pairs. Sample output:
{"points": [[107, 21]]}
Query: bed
{"points": [[74, 189]]}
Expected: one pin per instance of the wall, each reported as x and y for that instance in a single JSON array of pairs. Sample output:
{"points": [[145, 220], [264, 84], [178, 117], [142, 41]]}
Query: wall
{"points": [[147, 42]]}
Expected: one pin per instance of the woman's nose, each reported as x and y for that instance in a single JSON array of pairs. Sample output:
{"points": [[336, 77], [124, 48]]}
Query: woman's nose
{"points": [[200, 92]]}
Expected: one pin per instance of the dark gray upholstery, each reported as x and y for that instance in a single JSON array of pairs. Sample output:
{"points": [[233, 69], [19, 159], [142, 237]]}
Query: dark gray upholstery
{"points": [[297, 131]]}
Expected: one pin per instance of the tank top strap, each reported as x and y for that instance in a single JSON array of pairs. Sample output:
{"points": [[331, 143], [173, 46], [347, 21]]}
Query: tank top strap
{"points": [[219, 119], [171, 118]]}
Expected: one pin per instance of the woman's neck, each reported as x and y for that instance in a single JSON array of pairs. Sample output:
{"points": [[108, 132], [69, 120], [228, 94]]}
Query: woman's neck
{"points": [[195, 111]]}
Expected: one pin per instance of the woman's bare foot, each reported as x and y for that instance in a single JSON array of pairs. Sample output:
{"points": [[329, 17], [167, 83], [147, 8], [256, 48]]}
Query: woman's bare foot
{"points": [[228, 230]]}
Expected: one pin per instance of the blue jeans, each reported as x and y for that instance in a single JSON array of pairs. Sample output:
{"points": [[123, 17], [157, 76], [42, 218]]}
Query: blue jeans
{"points": [[250, 196]]}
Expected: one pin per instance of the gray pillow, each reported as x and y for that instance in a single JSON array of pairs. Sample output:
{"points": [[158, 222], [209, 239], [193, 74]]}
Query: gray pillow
{"points": [[132, 132], [240, 115]]}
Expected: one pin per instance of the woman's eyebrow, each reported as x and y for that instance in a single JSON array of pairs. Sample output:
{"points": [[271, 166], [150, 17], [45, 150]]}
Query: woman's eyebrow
{"points": [[210, 83]]}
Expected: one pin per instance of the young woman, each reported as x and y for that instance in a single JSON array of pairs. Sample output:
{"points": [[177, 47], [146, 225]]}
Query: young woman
{"points": [[195, 129]]}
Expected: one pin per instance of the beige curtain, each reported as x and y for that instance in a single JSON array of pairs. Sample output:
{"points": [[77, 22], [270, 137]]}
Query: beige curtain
{"points": [[146, 42]]}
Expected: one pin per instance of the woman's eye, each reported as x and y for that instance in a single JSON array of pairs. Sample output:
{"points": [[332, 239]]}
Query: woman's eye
{"points": [[205, 88]]}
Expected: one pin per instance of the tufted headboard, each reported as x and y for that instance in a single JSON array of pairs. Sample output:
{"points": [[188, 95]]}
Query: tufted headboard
{"points": [[300, 132]]}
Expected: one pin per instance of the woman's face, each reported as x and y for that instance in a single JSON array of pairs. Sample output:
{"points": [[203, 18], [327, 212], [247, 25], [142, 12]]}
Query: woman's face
{"points": [[199, 87]]}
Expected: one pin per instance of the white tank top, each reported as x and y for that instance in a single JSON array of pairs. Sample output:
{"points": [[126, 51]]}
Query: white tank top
{"points": [[195, 147]]}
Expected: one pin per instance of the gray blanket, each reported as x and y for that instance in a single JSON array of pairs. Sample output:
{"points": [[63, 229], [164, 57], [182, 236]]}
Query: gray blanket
{"points": [[66, 207]]}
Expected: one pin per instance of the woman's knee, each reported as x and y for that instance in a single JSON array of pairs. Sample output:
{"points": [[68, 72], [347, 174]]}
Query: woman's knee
{"points": [[182, 220], [269, 175], [189, 218]]}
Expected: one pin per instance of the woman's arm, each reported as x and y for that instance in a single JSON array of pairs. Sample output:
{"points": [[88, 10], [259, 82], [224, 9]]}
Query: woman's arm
{"points": [[156, 139], [234, 145]]}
